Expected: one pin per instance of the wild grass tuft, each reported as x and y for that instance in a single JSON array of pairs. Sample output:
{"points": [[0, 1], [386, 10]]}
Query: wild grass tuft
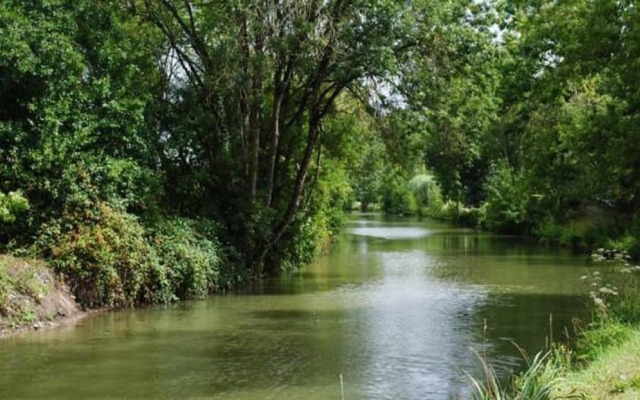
{"points": [[536, 382], [595, 366]]}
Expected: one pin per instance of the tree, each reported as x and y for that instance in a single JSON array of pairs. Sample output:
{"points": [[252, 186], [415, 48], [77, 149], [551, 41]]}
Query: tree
{"points": [[75, 85], [263, 77], [449, 83]]}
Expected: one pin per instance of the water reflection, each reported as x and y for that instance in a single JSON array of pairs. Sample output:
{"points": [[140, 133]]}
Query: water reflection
{"points": [[407, 342], [394, 307]]}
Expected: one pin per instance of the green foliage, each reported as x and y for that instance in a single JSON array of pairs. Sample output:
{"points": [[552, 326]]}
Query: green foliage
{"points": [[261, 108], [536, 382], [355, 143], [461, 214], [103, 253], [397, 198], [567, 108], [313, 232], [580, 233], [627, 243], [426, 191], [593, 342], [311, 236], [11, 205], [272, 118], [111, 259], [538, 123], [188, 256], [508, 200], [451, 84], [78, 81], [615, 292]]}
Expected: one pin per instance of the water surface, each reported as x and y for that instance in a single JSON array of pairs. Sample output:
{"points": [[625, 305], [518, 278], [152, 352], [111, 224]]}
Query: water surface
{"points": [[395, 307]]}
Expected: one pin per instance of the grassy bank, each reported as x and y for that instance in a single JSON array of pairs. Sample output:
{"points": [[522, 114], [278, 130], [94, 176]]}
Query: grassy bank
{"points": [[614, 373], [105, 257], [605, 362], [31, 295]]}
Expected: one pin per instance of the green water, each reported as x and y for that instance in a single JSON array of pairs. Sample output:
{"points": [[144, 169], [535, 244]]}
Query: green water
{"points": [[394, 307]]}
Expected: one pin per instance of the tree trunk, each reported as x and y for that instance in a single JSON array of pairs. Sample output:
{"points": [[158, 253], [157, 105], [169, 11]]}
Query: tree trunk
{"points": [[273, 146], [294, 202]]}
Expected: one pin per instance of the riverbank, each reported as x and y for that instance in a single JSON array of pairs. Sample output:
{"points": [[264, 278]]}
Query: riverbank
{"points": [[612, 346], [32, 297], [614, 374], [605, 362]]}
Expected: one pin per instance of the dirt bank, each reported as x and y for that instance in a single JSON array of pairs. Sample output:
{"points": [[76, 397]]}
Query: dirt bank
{"points": [[32, 297]]}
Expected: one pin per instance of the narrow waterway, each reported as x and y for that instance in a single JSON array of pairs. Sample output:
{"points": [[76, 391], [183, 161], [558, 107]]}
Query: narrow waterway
{"points": [[395, 308]]}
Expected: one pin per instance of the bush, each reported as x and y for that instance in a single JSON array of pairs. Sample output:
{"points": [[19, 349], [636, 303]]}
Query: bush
{"points": [[593, 342], [397, 198], [628, 243], [425, 190], [427, 194], [507, 201], [110, 258], [189, 255], [105, 258], [578, 235], [12, 204]]}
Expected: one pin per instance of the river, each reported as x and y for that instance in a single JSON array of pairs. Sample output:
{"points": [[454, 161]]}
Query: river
{"points": [[394, 308]]}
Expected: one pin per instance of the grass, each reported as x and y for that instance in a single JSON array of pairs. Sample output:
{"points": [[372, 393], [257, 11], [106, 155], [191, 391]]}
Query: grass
{"points": [[596, 341], [536, 382], [606, 367], [613, 374], [606, 363], [22, 285]]}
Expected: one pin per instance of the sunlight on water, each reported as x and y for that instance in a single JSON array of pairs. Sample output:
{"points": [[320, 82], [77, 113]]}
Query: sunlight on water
{"points": [[395, 307], [391, 233]]}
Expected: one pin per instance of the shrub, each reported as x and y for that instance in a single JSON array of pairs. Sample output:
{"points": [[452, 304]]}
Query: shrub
{"points": [[593, 342], [427, 194], [12, 204], [110, 258], [309, 234], [397, 198], [507, 201], [189, 255], [105, 258], [425, 189], [628, 243]]}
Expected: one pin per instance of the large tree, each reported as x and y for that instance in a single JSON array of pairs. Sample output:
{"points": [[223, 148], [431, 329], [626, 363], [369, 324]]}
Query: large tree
{"points": [[258, 79]]}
